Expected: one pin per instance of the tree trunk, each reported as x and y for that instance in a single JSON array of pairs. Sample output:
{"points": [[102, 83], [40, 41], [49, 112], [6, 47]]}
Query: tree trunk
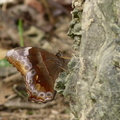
{"points": [[93, 82]]}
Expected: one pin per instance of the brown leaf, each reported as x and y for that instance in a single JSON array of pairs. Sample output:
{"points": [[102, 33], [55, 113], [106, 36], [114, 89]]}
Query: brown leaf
{"points": [[6, 93], [36, 5]]}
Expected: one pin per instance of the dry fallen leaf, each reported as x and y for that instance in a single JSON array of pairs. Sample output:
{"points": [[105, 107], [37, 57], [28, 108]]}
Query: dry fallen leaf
{"points": [[6, 93], [2, 53], [36, 5]]}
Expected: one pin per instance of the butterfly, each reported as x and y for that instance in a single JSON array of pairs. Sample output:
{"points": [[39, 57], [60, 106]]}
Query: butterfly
{"points": [[40, 69]]}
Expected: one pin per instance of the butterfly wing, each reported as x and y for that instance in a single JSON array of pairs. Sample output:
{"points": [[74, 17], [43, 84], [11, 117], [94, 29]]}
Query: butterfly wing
{"points": [[39, 68]]}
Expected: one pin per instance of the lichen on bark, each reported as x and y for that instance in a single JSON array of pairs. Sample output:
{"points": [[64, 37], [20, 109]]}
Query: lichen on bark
{"points": [[93, 82]]}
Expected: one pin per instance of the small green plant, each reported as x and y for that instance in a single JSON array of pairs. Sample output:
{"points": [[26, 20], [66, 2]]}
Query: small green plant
{"points": [[4, 63], [20, 30]]}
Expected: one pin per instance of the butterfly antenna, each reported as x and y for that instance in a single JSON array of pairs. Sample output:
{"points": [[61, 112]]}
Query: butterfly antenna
{"points": [[67, 58], [63, 69]]}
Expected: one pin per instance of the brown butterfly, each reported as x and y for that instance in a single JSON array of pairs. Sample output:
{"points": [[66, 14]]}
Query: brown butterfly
{"points": [[40, 69]]}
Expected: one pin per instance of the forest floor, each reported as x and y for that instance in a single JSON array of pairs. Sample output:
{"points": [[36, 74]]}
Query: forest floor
{"points": [[39, 23]]}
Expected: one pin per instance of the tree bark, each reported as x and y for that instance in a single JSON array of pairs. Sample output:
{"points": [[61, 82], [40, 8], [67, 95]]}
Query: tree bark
{"points": [[93, 83]]}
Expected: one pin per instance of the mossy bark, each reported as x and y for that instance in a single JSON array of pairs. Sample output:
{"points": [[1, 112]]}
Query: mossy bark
{"points": [[93, 82]]}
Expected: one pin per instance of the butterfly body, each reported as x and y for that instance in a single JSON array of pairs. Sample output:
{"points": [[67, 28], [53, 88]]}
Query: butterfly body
{"points": [[40, 69]]}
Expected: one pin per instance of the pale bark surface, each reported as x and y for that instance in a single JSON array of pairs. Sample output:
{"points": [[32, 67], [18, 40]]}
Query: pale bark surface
{"points": [[93, 83]]}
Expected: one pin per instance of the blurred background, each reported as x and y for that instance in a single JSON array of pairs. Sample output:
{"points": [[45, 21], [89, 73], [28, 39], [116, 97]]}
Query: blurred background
{"points": [[39, 23]]}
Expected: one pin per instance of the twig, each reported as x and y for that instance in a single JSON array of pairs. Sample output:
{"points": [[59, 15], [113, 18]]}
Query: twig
{"points": [[28, 105], [14, 77], [19, 93], [45, 3]]}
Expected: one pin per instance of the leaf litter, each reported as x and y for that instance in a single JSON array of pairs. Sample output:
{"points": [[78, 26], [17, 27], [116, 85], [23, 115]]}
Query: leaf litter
{"points": [[45, 25]]}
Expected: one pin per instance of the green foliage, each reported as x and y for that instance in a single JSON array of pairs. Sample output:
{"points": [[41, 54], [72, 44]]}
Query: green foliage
{"points": [[30, 112], [20, 30], [4, 63]]}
